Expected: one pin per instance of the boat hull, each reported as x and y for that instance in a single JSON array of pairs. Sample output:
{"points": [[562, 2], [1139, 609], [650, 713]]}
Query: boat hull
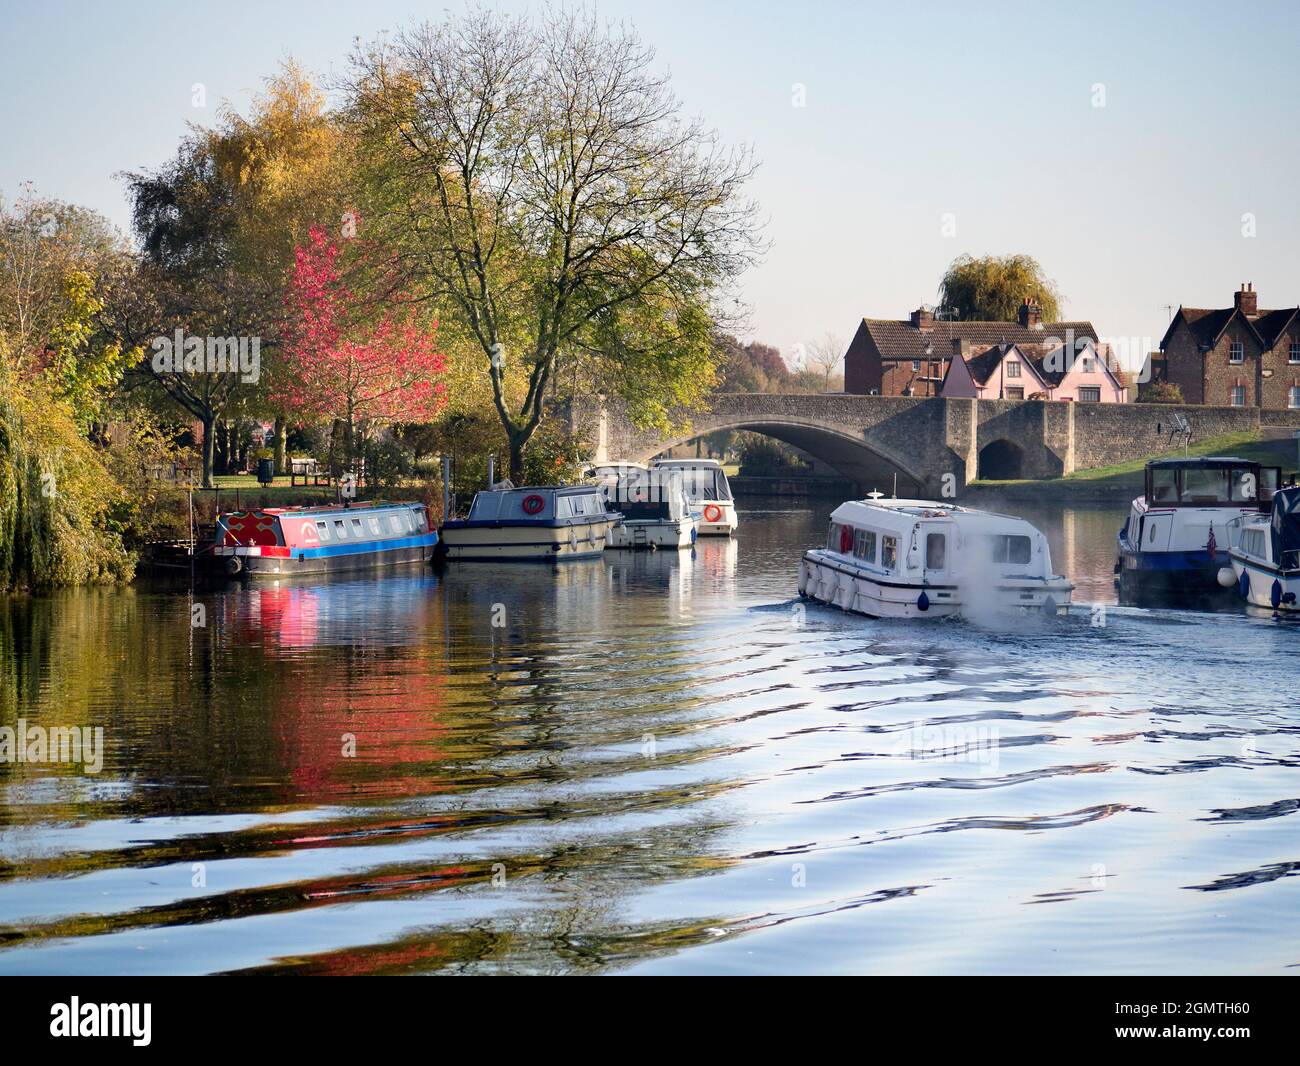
{"points": [[827, 580], [669, 535], [524, 541], [257, 562], [717, 517], [1263, 585]]}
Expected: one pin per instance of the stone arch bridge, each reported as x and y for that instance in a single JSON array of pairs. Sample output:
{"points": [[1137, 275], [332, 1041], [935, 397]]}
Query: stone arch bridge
{"points": [[870, 439]]}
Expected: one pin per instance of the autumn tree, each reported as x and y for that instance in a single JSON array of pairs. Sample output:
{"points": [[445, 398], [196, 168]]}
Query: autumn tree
{"points": [[344, 360], [993, 287], [550, 198]]}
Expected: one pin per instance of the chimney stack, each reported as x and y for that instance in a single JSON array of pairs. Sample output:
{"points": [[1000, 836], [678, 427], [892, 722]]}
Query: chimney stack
{"points": [[923, 318], [1246, 300], [1031, 315]]}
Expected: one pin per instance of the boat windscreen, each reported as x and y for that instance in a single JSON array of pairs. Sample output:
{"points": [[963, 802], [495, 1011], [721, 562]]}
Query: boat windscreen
{"points": [[1286, 527], [704, 483]]}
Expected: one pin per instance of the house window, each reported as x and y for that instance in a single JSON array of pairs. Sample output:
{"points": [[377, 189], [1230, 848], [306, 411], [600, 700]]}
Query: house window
{"points": [[1236, 352], [1239, 396], [1293, 354], [1293, 397], [1015, 393], [1090, 394], [1087, 364], [916, 366], [889, 552], [1013, 370]]}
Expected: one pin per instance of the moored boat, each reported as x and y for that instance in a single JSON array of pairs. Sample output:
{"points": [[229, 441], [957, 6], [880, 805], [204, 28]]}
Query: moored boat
{"points": [[656, 510], [1178, 531], [547, 523], [278, 542], [1265, 555], [706, 487], [918, 558]]}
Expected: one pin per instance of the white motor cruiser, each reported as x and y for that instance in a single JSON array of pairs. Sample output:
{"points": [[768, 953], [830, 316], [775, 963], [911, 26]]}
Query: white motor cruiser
{"points": [[707, 489], [922, 559], [656, 510], [1266, 555]]}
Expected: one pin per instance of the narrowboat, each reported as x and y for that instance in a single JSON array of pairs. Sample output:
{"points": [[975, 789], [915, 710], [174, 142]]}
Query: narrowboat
{"points": [[279, 542], [547, 523], [1177, 535], [656, 510], [922, 559], [1265, 555], [707, 489]]}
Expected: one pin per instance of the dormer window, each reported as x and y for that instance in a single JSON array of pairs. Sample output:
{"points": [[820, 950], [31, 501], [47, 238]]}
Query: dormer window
{"points": [[1236, 352], [1013, 370]]}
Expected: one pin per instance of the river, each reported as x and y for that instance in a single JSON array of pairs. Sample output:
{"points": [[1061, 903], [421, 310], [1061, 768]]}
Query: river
{"points": [[654, 763]]}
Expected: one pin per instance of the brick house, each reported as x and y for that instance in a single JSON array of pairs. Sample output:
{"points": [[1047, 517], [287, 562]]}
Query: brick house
{"points": [[910, 357], [1236, 356]]}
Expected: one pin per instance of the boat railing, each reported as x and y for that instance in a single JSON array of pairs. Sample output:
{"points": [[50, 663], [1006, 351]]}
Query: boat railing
{"points": [[1234, 530]]}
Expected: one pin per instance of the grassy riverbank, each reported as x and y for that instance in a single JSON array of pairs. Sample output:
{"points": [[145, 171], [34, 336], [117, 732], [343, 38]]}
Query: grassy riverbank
{"points": [[1124, 481]]}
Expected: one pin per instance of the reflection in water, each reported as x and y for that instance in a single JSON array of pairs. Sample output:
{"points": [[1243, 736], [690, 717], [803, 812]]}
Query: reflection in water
{"points": [[653, 761]]}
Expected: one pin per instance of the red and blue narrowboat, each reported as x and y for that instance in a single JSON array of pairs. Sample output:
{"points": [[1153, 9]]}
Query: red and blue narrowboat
{"points": [[279, 542]]}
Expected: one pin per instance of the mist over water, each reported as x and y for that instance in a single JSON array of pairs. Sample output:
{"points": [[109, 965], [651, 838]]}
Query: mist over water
{"points": [[655, 763]]}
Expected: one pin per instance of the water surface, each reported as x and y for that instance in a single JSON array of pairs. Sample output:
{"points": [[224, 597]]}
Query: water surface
{"points": [[648, 763]]}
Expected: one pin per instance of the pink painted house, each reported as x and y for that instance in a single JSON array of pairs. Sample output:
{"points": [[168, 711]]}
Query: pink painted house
{"points": [[1033, 372]]}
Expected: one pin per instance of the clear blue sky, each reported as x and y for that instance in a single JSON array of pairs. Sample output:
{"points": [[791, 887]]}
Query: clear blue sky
{"points": [[984, 111]]}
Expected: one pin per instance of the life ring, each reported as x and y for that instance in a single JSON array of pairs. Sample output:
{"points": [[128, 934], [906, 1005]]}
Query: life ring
{"points": [[713, 513], [533, 504], [846, 540]]}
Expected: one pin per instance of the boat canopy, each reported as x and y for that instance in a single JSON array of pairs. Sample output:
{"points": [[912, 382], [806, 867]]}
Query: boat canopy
{"points": [[541, 503], [1286, 528], [703, 479], [1212, 481]]}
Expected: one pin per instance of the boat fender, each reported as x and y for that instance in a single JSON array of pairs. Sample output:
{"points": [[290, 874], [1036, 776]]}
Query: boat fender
{"points": [[234, 564], [923, 601], [1049, 606], [1225, 577], [1275, 593], [1244, 585], [695, 534]]}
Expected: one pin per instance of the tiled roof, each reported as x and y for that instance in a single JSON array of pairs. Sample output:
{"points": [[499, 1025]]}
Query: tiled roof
{"points": [[1207, 324], [902, 340]]}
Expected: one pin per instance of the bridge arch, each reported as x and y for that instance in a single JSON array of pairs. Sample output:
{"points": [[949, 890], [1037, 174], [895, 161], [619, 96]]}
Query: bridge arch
{"points": [[1001, 460], [865, 462]]}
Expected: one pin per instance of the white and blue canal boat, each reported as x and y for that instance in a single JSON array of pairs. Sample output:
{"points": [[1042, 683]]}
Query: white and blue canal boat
{"points": [[1179, 530], [548, 523], [1266, 555]]}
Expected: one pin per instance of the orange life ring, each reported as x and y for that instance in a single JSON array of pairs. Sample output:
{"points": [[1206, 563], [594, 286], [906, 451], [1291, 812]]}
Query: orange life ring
{"points": [[846, 540], [533, 504], [713, 513]]}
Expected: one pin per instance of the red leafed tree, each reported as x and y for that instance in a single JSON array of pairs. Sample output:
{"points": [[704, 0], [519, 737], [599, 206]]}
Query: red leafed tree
{"points": [[346, 359]]}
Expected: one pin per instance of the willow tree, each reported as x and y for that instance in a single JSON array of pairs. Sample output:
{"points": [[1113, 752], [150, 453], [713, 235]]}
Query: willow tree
{"points": [[549, 198], [992, 288]]}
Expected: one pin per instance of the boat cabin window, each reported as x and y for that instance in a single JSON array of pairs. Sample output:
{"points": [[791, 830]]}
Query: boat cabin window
{"points": [[833, 537], [356, 528], [323, 529], [1006, 548], [936, 551], [340, 529], [375, 529], [1164, 485], [419, 519], [1207, 484], [704, 483], [486, 506], [394, 523], [889, 552], [1252, 543], [864, 545]]}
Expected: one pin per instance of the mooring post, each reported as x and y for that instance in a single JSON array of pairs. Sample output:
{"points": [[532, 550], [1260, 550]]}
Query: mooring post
{"points": [[446, 487]]}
